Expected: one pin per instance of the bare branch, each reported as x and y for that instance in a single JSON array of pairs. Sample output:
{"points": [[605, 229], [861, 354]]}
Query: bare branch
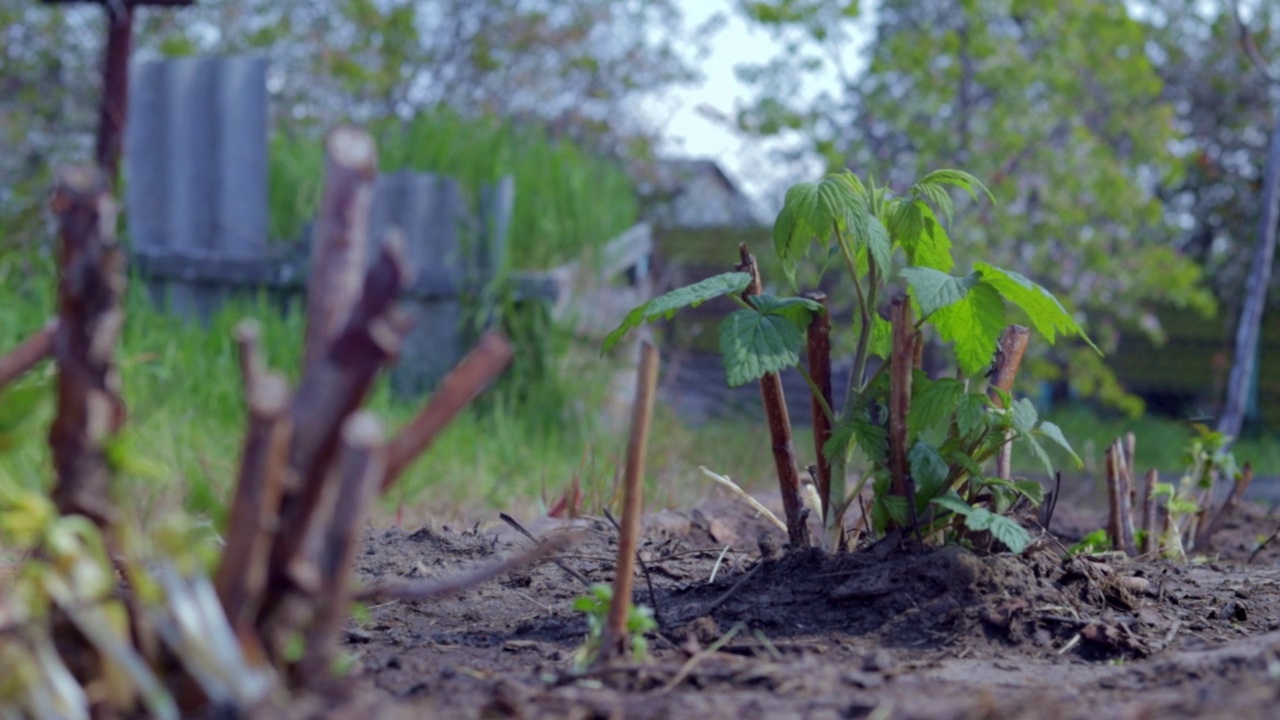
{"points": [[20, 360], [479, 368]]}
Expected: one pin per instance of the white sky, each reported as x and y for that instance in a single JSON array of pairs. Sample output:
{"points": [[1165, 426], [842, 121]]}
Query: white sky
{"points": [[688, 133]]}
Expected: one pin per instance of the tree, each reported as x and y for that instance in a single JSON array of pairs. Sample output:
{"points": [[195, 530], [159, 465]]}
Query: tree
{"points": [[1056, 106], [577, 65]]}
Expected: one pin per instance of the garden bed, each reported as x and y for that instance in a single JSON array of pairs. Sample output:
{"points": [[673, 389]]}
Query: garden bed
{"points": [[889, 632]]}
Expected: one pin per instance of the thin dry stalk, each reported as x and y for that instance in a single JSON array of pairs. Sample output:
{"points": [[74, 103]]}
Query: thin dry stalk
{"points": [[241, 577], [900, 366], [420, 591], [1124, 491], [1239, 486], [1114, 532], [819, 357], [477, 370], [91, 285], [614, 641], [1148, 511], [29, 353], [775, 409], [252, 367], [363, 459], [1011, 348], [340, 237]]}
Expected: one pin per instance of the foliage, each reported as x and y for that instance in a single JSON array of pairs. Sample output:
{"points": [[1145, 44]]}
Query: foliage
{"points": [[885, 241], [1059, 106], [69, 575], [1224, 107], [568, 201], [595, 605]]}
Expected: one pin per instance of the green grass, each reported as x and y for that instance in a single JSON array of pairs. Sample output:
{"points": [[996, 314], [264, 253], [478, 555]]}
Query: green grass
{"points": [[567, 200]]}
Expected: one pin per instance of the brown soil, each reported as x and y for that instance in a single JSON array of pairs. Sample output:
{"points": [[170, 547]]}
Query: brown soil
{"points": [[887, 632]]}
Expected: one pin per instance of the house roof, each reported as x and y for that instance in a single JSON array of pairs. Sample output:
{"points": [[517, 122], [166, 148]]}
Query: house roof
{"points": [[690, 193]]}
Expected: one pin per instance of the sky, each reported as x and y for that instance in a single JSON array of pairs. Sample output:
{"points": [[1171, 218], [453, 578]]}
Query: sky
{"points": [[690, 133]]}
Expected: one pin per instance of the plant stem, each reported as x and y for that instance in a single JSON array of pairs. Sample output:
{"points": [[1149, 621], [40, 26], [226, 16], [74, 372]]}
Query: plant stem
{"points": [[900, 369], [1012, 346], [819, 357], [775, 409], [614, 642]]}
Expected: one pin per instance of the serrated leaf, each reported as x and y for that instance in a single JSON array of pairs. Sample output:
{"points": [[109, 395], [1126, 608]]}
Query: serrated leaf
{"points": [[966, 461], [905, 223], [934, 404], [889, 507], [796, 309], [933, 248], [812, 211], [753, 344], [858, 431], [953, 502], [1054, 433], [934, 289], [665, 306], [1014, 536], [1030, 488], [1042, 308], [928, 470], [1038, 451], [971, 415], [879, 244], [974, 324], [957, 178], [1024, 415]]}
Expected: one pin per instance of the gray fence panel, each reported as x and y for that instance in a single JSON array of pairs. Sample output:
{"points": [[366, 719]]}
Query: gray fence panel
{"points": [[430, 210], [196, 169]]}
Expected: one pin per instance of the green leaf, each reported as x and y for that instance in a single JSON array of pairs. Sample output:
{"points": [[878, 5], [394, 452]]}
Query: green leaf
{"points": [[958, 178], [971, 415], [796, 309], [1038, 451], [878, 244], [932, 247], [1041, 307], [1024, 415], [934, 289], [974, 324], [934, 404], [965, 460], [664, 306], [858, 431], [1033, 490], [753, 344], [1013, 535], [813, 211], [889, 507], [905, 223], [928, 470], [1054, 433], [953, 502]]}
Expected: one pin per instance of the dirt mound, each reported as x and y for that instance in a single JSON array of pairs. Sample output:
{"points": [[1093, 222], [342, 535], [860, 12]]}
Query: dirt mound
{"points": [[891, 631]]}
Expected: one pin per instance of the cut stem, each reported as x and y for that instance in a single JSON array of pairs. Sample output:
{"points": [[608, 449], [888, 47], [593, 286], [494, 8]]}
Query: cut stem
{"points": [[819, 357], [473, 374], [614, 641], [28, 354], [775, 409], [900, 366], [1012, 346]]}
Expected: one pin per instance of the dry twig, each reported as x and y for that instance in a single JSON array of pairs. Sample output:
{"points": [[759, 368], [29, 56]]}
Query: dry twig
{"points": [[29, 353], [613, 643]]}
